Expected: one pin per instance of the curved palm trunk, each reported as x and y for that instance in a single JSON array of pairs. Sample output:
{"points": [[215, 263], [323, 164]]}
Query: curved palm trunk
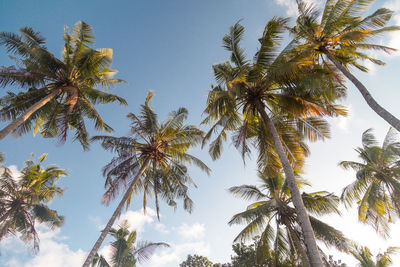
{"points": [[383, 113], [298, 245], [304, 221], [21, 119], [116, 213]]}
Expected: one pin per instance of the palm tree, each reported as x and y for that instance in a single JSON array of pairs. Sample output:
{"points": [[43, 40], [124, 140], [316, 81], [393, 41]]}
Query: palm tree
{"points": [[342, 36], [60, 93], [124, 251], [377, 185], [364, 256], [276, 101], [273, 216], [24, 199], [153, 158]]}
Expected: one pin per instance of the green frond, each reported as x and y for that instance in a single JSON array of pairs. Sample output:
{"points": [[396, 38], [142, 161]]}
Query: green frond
{"points": [[247, 192], [329, 235], [231, 43], [269, 41], [321, 203], [368, 139]]}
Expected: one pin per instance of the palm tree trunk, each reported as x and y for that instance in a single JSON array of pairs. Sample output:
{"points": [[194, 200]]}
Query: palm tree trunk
{"points": [[304, 221], [386, 115], [298, 245], [21, 119], [116, 213]]}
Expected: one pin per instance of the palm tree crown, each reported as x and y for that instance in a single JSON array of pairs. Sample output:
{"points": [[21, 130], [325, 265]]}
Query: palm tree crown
{"points": [[160, 146], [364, 257], [294, 93], [125, 253], [60, 92], [274, 218], [24, 199], [342, 36], [342, 32], [377, 185]]}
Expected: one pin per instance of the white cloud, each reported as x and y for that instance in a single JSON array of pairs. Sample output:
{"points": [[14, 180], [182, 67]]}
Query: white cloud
{"points": [[363, 234], [53, 248], [161, 228], [291, 5], [194, 231], [343, 123], [137, 219], [53, 252], [192, 239], [192, 243], [178, 253], [394, 37], [393, 5], [106, 252], [14, 170]]}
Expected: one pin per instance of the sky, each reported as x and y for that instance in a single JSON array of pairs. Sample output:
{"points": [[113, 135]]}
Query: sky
{"points": [[169, 47]]}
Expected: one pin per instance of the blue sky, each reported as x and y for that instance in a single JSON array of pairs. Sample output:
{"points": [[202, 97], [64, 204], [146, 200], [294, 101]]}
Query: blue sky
{"points": [[169, 47]]}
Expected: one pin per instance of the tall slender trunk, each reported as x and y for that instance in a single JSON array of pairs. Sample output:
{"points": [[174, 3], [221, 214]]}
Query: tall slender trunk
{"points": [[386, 115], [116, 213], [21, 119], [298, 245], [304, 221]]}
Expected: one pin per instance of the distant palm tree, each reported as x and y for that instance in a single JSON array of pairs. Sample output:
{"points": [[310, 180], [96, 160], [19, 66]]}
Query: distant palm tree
{"points": [[124, 251], [377, 187], [342, 36], [60, 93], [276, 101], [153, 158], [24, 199], [364, 257], [274, 218]]}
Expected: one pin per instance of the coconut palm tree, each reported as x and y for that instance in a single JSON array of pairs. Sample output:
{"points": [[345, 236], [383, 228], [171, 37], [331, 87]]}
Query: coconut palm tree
{"points": [[282, 96], [153, 158], [60, 93], [377, 185], [24, 199], [274, 218], [364, 257], [342, 36], [124, 251]]}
